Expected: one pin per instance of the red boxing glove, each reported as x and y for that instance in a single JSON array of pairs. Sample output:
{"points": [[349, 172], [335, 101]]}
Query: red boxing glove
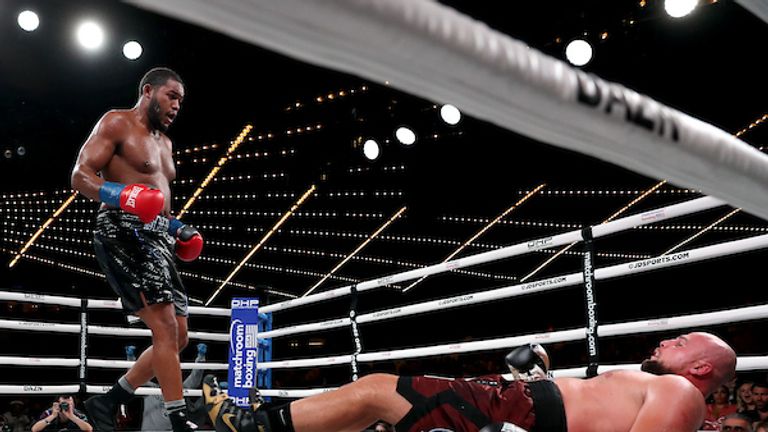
{"points": [[189, 242], [137, 199]]}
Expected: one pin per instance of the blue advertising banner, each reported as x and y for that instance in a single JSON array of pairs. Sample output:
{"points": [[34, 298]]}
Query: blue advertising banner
{"points": [[243, 348]]}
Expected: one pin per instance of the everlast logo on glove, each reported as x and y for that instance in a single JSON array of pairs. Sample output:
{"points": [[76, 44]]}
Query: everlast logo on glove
{"points": [[131, 201]]}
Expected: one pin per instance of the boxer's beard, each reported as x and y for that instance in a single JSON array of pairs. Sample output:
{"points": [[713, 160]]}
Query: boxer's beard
{"points": [[655, 367], [153, 113]]}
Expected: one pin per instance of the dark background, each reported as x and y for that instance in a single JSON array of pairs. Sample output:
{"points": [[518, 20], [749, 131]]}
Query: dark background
{"points": [[708, 64]]}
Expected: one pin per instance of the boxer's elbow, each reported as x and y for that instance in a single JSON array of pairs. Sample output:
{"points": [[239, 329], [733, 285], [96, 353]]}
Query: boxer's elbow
{"points": [[77, 178], [83, 180]]}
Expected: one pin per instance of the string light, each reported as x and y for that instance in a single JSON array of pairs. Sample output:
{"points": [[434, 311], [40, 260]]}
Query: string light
{"points": [[752, 125], [360, 247], [300, 215], [192, 150], [263, 240], [483, 230], [613, 192], [42, 228], [222, 161], [701, 232], [327, 97], [359, 258]]}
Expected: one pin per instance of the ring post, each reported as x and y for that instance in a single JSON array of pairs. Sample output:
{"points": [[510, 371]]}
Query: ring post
{"points": [[83, 346], [355, 333], [590, 301], [264, 376]]}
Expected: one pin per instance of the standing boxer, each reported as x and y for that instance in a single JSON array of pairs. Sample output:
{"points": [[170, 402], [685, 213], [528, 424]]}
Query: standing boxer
{"points": [[127, 164]]}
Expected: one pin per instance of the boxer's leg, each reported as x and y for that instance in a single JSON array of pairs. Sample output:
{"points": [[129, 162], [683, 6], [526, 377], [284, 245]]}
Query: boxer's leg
{"points": [[350, 408], [143, 371]]}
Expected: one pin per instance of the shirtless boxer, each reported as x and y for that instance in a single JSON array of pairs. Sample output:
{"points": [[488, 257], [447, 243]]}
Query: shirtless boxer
{"points": [[668, 396], [127, 164]]}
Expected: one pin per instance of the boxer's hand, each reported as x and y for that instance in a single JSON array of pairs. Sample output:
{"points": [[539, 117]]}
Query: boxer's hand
{"points": [[137, 199], [528, 361], [189, 242]]}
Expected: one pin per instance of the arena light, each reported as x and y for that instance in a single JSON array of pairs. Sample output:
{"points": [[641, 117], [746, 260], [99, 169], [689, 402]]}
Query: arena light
{"points": [[90, 35], [28, 21], [679, 8], [132, 50], [371, 149], [405, 135], [578, 52], [450, 114]]}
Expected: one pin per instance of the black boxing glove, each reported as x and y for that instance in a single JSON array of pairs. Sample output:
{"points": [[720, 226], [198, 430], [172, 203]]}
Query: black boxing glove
{"points": [[189, 242], [528, 362]]}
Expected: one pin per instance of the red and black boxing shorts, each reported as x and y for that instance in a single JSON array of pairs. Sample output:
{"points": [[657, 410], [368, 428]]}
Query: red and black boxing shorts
{"points": [[138, 260], [467, 406]]}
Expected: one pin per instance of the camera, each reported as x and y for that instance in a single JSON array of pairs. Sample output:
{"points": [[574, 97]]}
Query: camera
{"points": [[64, 406]]}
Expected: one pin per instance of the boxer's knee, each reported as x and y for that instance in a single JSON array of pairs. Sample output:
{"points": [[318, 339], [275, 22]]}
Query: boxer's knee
{"points": [[182, 340], [374, 390]]}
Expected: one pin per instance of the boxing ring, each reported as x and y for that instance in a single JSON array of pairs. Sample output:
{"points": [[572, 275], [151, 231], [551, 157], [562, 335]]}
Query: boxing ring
{"points": [[584, 279], [494, 78]]}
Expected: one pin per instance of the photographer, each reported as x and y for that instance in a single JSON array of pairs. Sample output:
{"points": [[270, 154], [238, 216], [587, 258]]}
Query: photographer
{"points": [[62, 416]]}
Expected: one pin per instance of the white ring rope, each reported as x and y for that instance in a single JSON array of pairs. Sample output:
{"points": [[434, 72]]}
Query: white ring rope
{"points": [[125, 364], [757, 7], [639, 266], [654, 325], [440, 304], [100, 330], [39, 389], [633, 267], [434, 52], [748, 363], [94, 303], [34, 361], [98, 363], [141, 391], [644, 218]]}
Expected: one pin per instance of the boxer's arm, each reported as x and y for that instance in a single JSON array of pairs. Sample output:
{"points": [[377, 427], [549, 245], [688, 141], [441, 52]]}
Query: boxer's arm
{"points": [[96, 153], [671, 404]]}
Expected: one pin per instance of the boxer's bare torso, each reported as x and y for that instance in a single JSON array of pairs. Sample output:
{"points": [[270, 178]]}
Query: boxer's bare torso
{"points": [[631, 401], [125, 148]]}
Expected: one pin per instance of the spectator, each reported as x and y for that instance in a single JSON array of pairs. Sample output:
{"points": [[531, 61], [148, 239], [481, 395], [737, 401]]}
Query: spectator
{"points": [[761, 427], [382, 426], [62, 416], [15, 419], [155, 416], [744, 397], [760, 399], [736, 422], [718, 409]]}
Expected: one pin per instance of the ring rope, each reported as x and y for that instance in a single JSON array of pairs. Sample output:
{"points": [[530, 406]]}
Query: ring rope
{"points": [[755, 312], [100, 330], [623, 269], [622, 224], [94, 303]]}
